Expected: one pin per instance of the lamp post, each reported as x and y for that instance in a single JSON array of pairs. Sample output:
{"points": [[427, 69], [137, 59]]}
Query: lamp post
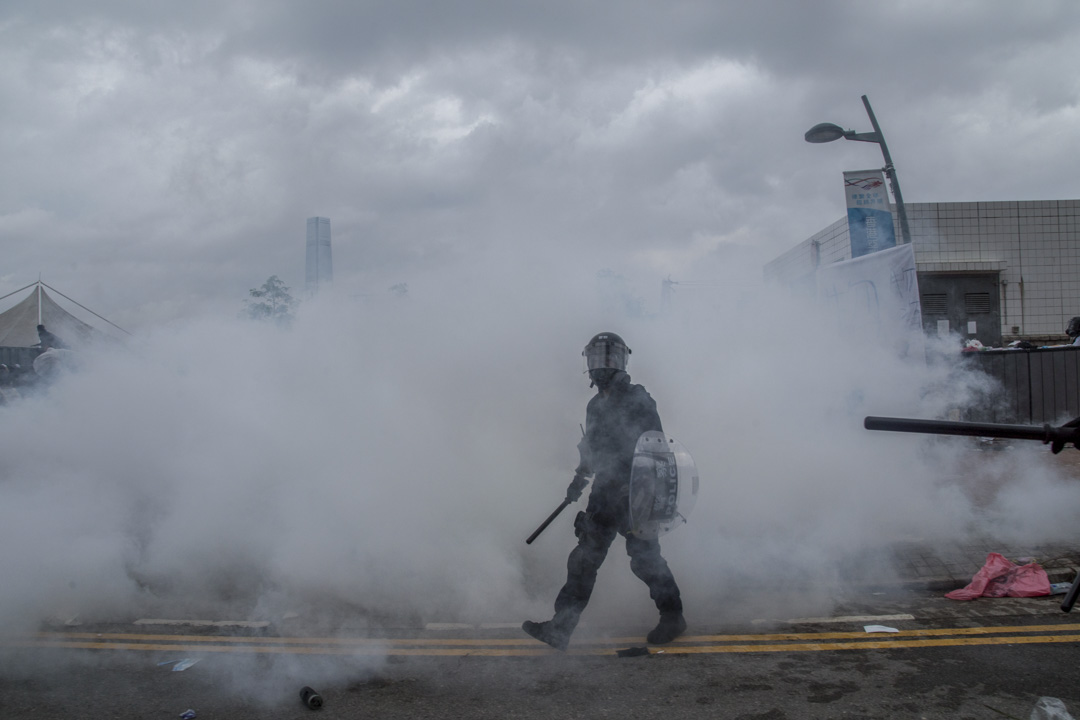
{"points": [[827, 132]]}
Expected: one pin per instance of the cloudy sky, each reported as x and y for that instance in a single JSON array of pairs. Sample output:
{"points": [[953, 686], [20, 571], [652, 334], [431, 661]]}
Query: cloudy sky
{"points": [[160, 159]]}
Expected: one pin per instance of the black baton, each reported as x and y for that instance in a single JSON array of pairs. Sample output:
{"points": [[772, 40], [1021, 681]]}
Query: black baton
{"points": [[547, 522]]}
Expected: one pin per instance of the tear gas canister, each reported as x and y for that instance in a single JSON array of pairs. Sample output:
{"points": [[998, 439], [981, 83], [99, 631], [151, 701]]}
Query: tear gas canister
{"points": [[311, 698]]}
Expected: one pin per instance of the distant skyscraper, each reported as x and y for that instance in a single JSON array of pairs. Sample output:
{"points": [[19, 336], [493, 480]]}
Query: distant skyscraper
{"points": [[319, 263]]}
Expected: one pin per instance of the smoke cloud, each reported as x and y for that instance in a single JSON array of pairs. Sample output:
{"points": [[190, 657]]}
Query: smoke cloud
{"points": [[380, 462]]}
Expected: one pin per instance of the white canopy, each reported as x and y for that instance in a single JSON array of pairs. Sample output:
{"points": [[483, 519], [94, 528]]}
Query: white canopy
{"points": [[18, 325]]}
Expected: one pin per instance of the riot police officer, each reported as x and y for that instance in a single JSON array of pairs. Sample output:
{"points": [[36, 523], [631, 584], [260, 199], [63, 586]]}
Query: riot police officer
{"points": [[614, 420]]}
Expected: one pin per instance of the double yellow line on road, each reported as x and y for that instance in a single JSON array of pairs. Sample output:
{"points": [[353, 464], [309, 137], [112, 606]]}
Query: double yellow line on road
{"points": [[525, 647]]}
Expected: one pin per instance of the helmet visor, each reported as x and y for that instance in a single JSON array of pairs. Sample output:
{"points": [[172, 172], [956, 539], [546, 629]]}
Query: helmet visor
{"points": [[606, 354]]}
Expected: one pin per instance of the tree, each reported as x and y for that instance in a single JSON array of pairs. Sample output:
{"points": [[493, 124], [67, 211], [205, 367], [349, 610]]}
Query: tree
{"points": [[271, 302]]}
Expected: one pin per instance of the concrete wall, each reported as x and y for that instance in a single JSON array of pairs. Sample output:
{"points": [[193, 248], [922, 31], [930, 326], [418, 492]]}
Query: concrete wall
{"points": [[1033, 245]]}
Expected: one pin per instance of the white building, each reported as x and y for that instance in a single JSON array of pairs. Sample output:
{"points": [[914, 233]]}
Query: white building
{"points": [[319, 269], [1011, 268]]}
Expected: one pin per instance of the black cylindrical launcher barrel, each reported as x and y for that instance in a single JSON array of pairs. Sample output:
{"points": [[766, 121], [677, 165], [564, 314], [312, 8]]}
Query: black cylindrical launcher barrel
{"points": [[1043, 433]]}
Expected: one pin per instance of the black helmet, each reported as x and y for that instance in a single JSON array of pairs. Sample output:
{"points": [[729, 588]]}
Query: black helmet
{"points": [[606, 350], [1073, 329]]}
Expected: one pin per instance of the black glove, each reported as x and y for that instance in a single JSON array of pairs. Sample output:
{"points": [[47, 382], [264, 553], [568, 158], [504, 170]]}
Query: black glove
{"points": [[577, 485]]}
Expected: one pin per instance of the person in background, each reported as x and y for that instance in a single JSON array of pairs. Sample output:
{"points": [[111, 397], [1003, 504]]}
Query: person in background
{"points": [[1073, 330], [55, 355]]}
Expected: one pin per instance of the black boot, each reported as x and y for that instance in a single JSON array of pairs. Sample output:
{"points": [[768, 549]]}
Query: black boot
{"points": [[671, 626], [547, 632]]}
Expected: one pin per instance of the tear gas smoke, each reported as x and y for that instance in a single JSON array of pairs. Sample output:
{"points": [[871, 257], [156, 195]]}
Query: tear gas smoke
{"points": [[381, 461]]}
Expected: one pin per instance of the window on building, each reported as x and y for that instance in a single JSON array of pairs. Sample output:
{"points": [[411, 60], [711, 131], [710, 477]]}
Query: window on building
{"points": [[975, 303], [935, 303]]}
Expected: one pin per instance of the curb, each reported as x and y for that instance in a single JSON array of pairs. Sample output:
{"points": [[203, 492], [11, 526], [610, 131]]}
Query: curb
{"points": [[947, 584]]}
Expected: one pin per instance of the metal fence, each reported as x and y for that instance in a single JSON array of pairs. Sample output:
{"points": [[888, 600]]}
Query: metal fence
{"points": [[1039, 386]]}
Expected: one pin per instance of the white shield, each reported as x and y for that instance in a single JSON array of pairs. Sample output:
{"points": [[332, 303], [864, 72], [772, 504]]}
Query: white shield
{"points": [[663, 485]]}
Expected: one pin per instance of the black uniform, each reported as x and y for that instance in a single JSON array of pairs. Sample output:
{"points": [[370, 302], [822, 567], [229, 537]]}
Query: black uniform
{"points": [[613, 423]]}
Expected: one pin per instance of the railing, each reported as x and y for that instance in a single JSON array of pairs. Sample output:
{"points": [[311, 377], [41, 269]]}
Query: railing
{"points": [[1040, 385]]}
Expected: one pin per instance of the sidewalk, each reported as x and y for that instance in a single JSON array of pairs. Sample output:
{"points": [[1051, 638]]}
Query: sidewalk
{"points": [[948, 568]]}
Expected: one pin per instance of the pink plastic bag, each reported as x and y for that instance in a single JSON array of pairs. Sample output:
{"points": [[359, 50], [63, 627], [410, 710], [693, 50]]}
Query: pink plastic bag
{"points": [[1000, 577]]}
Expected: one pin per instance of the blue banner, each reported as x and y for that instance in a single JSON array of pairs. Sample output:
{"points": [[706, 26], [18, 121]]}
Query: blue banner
{"points": [[870, 221]]}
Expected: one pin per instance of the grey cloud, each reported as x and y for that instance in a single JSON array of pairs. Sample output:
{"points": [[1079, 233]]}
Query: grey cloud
{"points": [[188, 145]]}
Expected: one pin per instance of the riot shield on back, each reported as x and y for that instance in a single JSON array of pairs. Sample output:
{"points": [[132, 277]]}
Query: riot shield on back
{"points": [[663, 485]]}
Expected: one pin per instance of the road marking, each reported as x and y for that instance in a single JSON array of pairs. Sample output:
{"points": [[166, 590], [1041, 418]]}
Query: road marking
{"points": [[874, 645], [239, 640], [208, 623], [575, 650], [470, 626], [382, 642], [526, 647], [838, 619], [927, 632]]}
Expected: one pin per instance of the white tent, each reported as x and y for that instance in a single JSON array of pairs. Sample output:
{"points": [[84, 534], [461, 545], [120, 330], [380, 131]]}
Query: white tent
{"points": [[18, 325]]}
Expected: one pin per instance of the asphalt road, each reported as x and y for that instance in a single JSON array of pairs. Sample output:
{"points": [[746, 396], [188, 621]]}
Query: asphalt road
{"points": [[984, 659]]}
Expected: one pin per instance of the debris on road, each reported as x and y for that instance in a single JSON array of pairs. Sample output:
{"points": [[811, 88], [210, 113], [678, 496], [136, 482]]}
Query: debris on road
{"points": [[879, 628], [181, 664], [633, 652], [1000, 577], [311, 698], [188, 715], [1060, 588], [1050, 708]]}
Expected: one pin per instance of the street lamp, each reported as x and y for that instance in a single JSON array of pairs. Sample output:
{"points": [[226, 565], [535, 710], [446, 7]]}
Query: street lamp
{"points": [[827, 132]]}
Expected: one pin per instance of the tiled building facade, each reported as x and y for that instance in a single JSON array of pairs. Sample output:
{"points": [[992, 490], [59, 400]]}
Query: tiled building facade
{"points": [[1017, 262]]}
